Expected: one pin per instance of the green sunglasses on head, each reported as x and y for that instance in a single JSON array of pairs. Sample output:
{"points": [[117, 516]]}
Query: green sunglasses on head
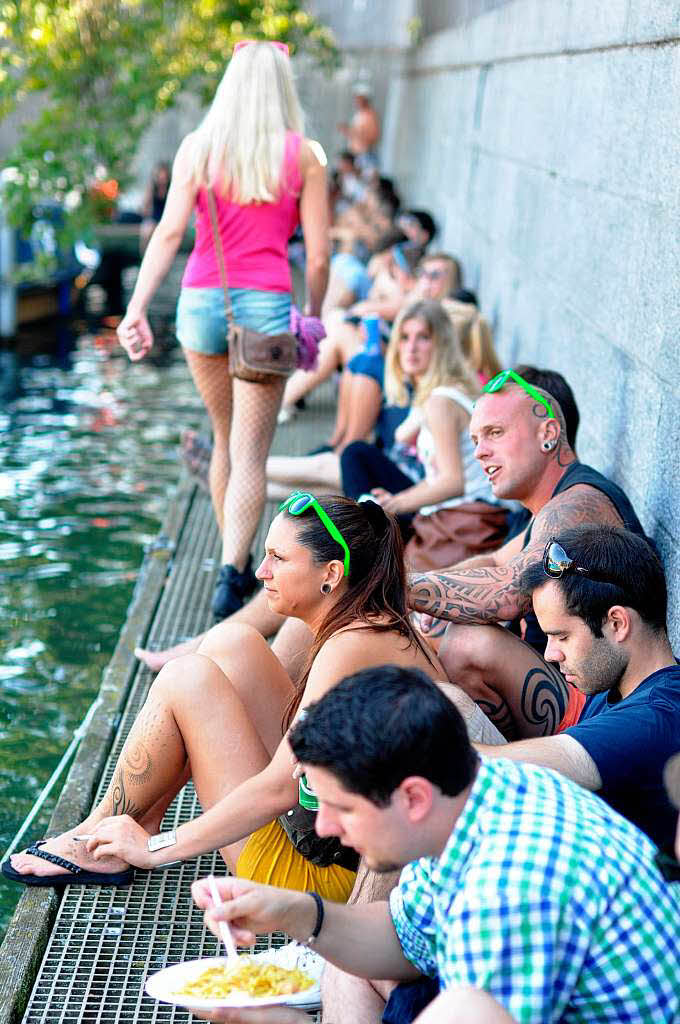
{"points": [[299, 501], [501, 379]]}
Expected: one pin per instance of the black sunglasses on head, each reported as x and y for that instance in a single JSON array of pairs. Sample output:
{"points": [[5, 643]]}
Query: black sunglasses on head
{"points": [[556, 562]]}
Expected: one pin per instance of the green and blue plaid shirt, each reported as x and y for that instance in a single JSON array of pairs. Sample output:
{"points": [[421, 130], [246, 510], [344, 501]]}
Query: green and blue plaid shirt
{"points": [[550, 901]]}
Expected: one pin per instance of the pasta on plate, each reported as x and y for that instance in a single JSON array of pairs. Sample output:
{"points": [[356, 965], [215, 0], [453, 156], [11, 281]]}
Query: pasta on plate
{"points": [[250, 978]]}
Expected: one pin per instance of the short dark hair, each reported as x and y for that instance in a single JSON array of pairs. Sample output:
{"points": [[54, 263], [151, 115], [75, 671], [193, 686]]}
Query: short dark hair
{"points": [[425, 220], [627, 561], [376, 727], [387, 195], [393, 236], [466, 295], [555, 384]]}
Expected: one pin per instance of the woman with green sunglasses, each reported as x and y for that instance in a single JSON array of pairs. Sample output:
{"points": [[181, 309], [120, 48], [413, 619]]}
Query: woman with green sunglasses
{"points": [[221, 715]]}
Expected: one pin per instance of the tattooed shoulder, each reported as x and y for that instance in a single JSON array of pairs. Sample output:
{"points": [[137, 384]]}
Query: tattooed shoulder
{"points": [[580, 504]]}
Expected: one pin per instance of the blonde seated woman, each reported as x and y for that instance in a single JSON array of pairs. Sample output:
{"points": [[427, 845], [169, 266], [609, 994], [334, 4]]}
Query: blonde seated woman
{"points": [[451, 512], [220, 716]]}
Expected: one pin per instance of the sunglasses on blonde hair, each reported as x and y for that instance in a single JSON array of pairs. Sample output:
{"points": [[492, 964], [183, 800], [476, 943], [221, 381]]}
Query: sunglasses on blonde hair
{"points": [[283, 47]]}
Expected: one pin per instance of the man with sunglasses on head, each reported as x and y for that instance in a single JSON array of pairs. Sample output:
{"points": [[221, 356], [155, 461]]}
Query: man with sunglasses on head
{"points": [[599, 594], [520, 439]]}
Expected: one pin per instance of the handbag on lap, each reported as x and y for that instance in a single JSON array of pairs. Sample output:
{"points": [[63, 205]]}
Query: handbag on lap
{"points": [[253, 356], [298, 824]]}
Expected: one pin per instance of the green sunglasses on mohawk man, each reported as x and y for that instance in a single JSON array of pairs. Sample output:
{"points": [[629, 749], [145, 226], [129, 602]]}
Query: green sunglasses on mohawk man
{"points": [[501, 379]]}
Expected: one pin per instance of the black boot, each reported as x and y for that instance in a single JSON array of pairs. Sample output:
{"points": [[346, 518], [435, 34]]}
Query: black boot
{"points": [[231, 590]]}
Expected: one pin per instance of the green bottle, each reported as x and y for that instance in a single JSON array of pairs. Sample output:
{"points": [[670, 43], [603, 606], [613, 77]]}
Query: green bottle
{"points": [[307, 796]]}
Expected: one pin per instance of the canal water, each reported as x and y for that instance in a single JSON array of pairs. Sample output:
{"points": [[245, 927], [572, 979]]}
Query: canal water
{"points": [[88, 463]]}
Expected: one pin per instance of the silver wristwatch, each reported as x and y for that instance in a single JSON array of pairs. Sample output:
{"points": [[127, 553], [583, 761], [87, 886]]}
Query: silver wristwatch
{"points": [[162, 840]]}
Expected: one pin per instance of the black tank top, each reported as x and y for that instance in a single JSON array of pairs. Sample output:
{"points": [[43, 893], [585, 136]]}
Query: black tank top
{"points": [[578, 473]]}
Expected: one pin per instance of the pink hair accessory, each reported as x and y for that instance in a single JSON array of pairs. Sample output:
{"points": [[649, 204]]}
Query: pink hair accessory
{"points": [[283, 47]]}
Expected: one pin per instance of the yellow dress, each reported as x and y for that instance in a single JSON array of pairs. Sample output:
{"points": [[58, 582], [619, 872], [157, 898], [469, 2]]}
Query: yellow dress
{"points": [[270, 857]]}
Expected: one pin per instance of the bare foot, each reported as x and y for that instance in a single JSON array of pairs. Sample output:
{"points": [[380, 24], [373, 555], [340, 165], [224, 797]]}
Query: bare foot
{"points": [[156, 659], [65, 846], [196, 453]]}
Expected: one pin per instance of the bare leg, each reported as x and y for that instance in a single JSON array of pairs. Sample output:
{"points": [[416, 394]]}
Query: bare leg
{"points": [[521, 693], [192, 711], [256, 614], [363, 407], [342, 408], [307, 470], [346, 998], [254, 421]]}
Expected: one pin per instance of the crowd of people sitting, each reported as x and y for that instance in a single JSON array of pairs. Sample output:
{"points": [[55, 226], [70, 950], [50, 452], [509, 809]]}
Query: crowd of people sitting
{"points": [[470, 664]]}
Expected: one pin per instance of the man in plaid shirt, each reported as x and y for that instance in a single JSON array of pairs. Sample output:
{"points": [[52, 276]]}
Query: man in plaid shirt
{"points": [[519, 885]]}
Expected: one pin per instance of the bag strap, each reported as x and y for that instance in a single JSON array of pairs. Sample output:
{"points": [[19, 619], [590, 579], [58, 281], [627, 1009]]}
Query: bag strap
{"points": [[219, 251]]}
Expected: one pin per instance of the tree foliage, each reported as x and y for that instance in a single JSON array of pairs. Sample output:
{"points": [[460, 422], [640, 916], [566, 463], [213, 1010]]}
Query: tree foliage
{"points": [[106, 67]]}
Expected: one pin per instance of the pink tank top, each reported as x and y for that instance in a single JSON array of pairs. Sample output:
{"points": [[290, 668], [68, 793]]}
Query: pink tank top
{"points": [[254, 237]]}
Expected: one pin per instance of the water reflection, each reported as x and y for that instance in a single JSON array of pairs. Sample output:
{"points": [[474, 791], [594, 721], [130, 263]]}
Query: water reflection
{"points": [[88, 455]]}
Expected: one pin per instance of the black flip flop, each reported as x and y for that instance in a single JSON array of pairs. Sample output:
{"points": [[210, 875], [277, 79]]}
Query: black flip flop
{"points": [[76, 875]]}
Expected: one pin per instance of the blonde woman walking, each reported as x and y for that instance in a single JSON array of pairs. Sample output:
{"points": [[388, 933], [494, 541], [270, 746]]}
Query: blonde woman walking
{"points": [[249, 149]]}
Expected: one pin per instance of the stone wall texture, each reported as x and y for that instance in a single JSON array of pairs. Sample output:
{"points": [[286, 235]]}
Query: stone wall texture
{"points": [[544, 137]]}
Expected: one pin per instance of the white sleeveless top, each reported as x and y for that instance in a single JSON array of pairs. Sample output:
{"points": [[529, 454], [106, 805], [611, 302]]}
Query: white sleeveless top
{"points": [[476, 485]]}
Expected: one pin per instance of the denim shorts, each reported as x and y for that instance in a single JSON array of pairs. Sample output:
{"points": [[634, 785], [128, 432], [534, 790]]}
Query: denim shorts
{"points": [[201, 322]]}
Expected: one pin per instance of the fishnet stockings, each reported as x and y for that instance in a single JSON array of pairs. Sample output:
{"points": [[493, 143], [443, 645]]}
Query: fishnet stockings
{"points": [[243, 418]]}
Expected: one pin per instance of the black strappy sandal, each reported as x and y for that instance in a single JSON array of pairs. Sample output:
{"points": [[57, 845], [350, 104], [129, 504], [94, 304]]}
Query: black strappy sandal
{"points": [[76, 875]]}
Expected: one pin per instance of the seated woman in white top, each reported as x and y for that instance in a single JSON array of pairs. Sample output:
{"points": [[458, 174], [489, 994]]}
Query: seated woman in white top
{"points": [[451, 513]]}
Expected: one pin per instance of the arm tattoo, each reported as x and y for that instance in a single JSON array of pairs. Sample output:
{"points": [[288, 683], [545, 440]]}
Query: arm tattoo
{"points": [[543, 702], [470, 595], [491, 593], [579, 504]]}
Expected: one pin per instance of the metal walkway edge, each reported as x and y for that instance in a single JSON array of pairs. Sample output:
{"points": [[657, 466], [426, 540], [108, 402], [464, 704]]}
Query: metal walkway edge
{"points": [[85, 961]]}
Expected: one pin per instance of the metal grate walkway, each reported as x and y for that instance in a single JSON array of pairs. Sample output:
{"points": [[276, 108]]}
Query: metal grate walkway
{"points": [[105, 942]]}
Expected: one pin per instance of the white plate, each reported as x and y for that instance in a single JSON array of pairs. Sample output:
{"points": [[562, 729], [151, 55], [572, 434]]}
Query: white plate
{"points": [[164, 984]]}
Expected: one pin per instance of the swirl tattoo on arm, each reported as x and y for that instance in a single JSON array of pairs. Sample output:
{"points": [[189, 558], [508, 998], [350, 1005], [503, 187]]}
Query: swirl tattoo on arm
{"points": [[543, 702]]}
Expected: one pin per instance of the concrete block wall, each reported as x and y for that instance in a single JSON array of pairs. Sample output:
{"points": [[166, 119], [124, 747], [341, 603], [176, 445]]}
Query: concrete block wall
{"points": [[544, 136]]}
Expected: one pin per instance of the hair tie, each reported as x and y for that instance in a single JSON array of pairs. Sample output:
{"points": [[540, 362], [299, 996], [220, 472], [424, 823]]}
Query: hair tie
{"points": [[375, 514]]}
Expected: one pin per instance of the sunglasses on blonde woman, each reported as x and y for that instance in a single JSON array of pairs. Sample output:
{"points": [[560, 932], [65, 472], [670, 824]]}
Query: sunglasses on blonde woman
{"points": [[246, 42], [299, 501]]}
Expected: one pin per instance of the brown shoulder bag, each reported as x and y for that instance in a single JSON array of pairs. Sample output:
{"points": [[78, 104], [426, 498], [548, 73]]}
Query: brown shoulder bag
{"points": [[252, 356]]}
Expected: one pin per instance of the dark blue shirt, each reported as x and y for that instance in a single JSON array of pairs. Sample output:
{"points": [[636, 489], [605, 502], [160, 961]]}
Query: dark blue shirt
{"points": [[630, 741]]}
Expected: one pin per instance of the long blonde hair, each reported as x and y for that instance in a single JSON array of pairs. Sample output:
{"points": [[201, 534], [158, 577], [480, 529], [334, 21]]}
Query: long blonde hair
{"points": [[475, 337], [239, 146], [448, 365]]}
